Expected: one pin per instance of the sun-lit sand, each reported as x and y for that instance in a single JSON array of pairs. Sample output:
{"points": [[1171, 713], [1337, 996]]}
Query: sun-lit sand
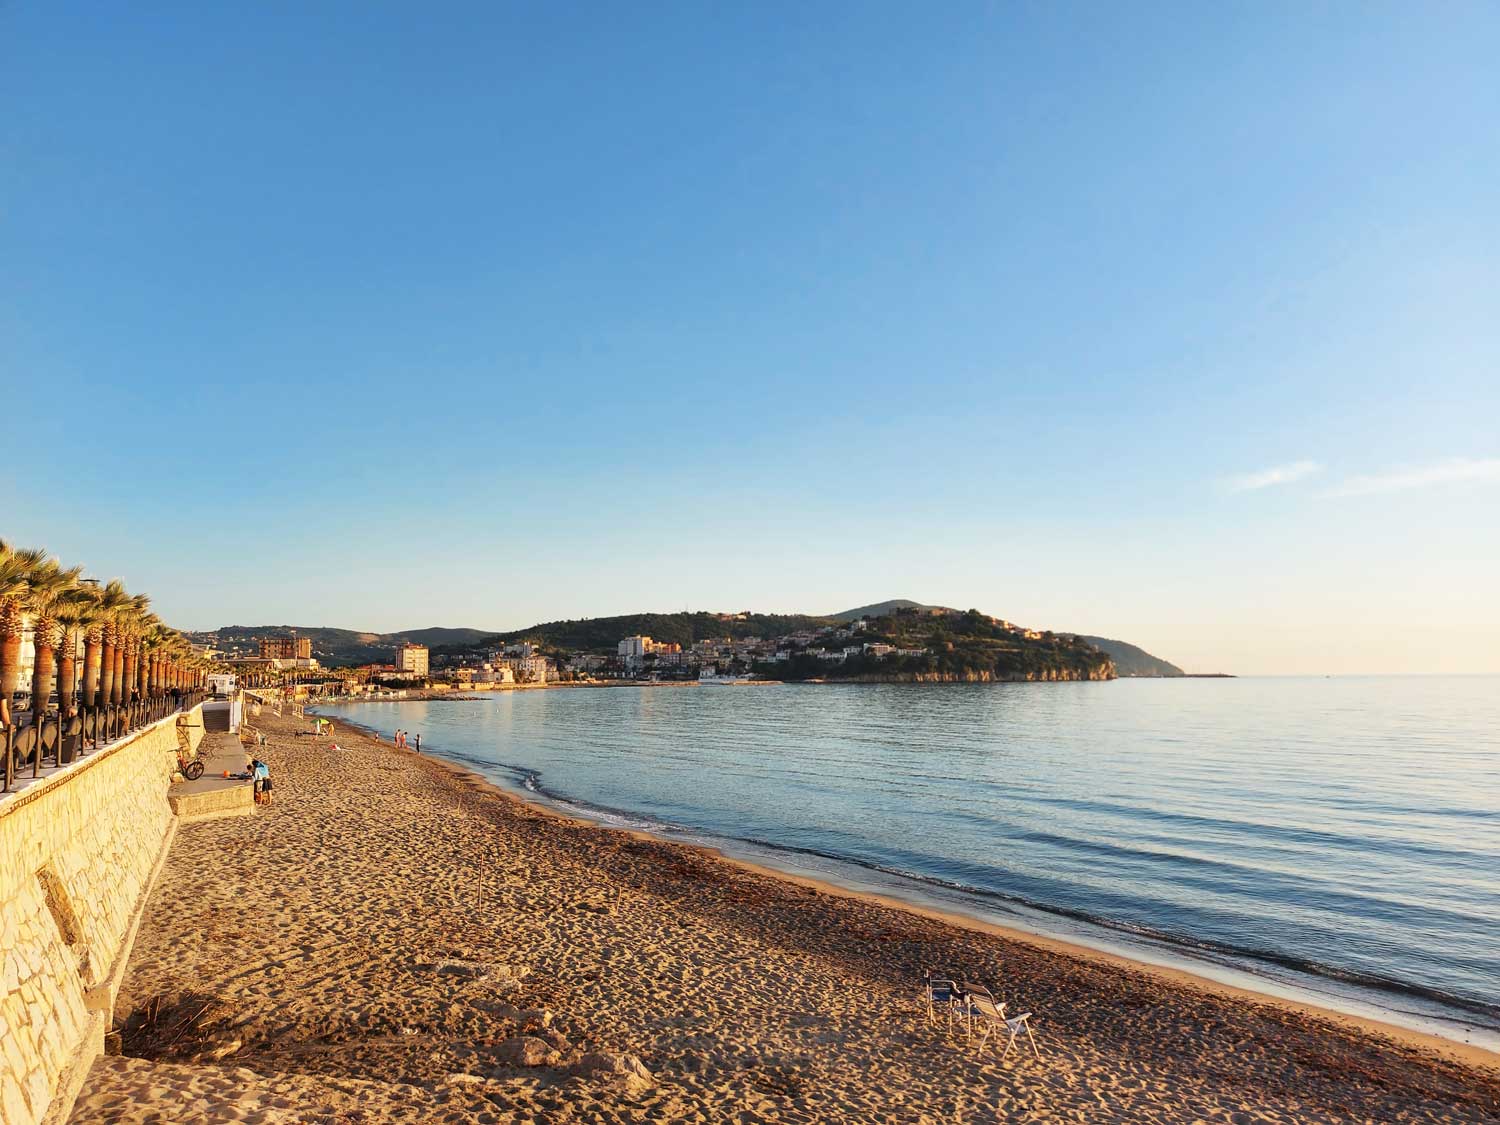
{"points": [[394, 940]]}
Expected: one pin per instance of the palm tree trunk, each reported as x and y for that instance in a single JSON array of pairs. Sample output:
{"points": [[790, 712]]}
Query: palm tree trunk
{"points": [[44, 676], [127, 683], [10, 654], [107, 667], [67, 673], [92, 641], [117, 683]]}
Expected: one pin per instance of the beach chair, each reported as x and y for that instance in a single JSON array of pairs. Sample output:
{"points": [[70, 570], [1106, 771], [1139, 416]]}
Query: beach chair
{"points": [[981, 996], [981, 1007], [941, 993]]}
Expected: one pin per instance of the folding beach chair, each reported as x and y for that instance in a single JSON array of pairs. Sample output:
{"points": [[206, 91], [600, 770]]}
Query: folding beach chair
{"points": [[981, 996], [981, 1007], [941, 992]]}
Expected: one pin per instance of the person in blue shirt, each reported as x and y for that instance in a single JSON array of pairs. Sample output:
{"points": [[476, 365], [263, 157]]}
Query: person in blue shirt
{"points": [[260, 774]]}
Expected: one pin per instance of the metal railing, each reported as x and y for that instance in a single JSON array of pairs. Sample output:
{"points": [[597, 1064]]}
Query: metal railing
{"points": [[65, 739]]}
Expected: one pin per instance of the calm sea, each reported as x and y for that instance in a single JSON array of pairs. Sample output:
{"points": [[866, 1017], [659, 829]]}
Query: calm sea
{"points": [[1336, 839]]}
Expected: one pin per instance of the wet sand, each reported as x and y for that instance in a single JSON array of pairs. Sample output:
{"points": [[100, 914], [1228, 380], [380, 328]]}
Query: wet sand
{"points": [[396, 940]]}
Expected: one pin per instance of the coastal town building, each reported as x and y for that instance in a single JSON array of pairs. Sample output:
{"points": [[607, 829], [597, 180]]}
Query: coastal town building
{"points": [[286, 648], [412, 658], [632, 650], [531, 669]]}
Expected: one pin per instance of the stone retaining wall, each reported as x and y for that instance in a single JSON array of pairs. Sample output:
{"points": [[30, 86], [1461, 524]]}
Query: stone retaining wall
{"points": [[78, 852]]}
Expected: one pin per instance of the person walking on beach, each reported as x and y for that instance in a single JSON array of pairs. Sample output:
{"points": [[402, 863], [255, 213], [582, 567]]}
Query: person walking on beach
{"points": [[419, 742], [260, 779]]}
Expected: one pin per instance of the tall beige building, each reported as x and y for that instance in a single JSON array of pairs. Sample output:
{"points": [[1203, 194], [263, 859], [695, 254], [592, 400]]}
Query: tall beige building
{"points": [[412, 658], [286, 648]]}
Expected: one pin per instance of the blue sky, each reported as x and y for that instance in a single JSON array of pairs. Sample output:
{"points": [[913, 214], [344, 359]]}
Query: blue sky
{"points": [[1174, 322]]}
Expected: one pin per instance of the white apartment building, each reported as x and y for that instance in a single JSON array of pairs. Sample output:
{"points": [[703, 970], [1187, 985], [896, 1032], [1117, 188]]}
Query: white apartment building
{"points": [[633, 650], [527, 669], [412, 658]]}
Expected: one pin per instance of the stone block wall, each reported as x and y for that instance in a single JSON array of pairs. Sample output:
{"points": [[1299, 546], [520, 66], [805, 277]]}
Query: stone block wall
{"points": [[77, 851]]}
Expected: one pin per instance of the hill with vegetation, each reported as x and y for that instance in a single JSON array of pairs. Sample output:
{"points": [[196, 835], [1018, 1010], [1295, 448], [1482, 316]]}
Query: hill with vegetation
{"points": [[603, 634], [1132, 661], [883, 609], [957, 646]]}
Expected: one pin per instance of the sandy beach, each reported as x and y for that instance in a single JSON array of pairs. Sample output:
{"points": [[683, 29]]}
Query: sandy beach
{"points": [[396, 940]]}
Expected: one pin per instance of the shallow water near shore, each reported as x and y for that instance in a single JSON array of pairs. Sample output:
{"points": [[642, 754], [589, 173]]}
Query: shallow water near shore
{"points": [[1333, 840]]}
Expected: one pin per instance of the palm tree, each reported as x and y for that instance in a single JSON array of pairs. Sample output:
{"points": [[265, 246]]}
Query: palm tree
{"points": [[49, 585], [170, 643], [151, 644], [127, 621], [98, 681], [79, 613], [177, 655], [140, 623], [125, 656], [16, 567], [140, 678]]}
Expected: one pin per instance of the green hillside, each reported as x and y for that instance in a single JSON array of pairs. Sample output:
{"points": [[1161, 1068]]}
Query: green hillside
{"points": [[959, 644], [883, 609], [1132, 661], [966, 645], [602, 634]]}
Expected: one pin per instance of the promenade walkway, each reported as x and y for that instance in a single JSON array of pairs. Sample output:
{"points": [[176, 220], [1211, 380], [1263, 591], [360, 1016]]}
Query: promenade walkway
{"points": [[214, 794]]}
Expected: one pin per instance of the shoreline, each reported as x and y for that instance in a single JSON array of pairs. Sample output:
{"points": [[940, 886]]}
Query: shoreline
{"points": [[1467, 1053], [1471, 1054], [395, 937]]}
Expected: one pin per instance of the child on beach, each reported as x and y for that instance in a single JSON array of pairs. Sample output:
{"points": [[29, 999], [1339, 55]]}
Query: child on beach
{"points": [[419, 742], [260, 775]]}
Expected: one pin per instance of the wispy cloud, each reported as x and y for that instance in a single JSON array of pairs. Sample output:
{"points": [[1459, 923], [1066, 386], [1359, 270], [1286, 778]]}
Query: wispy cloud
{"points": [[1276, 474], [1451, 471]]}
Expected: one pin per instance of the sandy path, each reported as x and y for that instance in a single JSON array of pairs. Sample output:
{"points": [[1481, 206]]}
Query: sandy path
{"points": [[373, 946]]}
